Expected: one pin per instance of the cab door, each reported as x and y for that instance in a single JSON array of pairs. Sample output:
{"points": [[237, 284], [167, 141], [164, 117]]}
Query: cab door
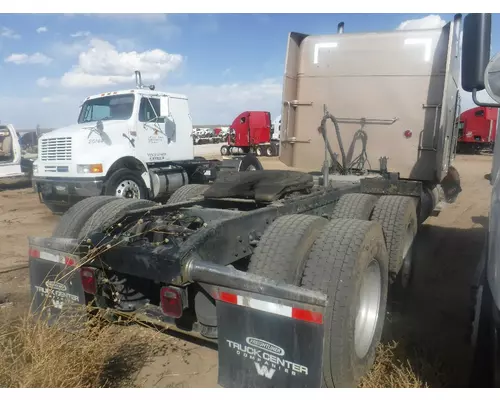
{"points": [[152, 140]]}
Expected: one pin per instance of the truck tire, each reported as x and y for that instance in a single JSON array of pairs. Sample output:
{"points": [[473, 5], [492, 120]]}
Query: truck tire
{"points": [[283, 248], [126, 183], [186, 193], [275, 149], [349, 263], [105, 216], [355, 206], [72, 221], [398, 217], [250, 163], [269, 151], [224, 150]]}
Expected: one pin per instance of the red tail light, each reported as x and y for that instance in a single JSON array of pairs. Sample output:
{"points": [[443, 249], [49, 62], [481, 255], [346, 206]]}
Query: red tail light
{"points": [[88, 280], [171, 301]]}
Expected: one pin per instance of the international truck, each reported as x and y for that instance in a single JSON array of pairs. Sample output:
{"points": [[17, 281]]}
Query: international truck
{"points": [[287, 271], [251, 131], [477, 130], [479, 73], [133, 143]]}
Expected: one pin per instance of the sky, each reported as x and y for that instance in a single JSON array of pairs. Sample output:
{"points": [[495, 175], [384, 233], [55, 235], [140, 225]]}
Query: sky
{"points": [[224, 63]]}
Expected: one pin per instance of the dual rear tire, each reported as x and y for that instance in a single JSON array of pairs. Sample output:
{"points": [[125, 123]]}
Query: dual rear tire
{"points": [[351, 259], [346, 259]]}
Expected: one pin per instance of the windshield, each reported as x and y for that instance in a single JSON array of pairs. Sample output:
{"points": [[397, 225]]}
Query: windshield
{"points": [[106, 108]]}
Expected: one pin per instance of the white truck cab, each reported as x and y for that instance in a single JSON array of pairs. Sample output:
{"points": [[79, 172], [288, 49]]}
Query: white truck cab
{"points": [[133, 143], [12, 164]]}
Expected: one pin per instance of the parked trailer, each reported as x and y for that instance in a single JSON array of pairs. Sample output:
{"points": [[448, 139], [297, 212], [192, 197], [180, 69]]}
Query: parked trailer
{"points": [[251, 131], [477, 129], [287, 271], [479, 73]]}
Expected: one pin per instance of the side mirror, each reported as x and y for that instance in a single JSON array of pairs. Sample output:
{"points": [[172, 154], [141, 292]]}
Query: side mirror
{"points": [[492, 78], [475, 50]]}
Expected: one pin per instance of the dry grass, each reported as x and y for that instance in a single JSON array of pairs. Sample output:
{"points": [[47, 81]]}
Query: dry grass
{"points": [[32, 354], [70, 354], [392, 369]]}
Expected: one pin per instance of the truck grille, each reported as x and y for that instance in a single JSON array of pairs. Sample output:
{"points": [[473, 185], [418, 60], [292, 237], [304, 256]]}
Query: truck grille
{"points": [[55, 149]]}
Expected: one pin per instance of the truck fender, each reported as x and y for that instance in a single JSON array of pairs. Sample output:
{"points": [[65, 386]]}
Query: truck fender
{"points": [[133, 163]]}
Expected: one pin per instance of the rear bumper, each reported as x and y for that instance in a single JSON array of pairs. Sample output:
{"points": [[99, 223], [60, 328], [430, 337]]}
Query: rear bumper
{"points": [[63, 191]]}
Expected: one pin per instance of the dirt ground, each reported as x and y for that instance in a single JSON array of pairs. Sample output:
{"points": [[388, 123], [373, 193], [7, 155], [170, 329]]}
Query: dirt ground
{"points": [[431, 325]]}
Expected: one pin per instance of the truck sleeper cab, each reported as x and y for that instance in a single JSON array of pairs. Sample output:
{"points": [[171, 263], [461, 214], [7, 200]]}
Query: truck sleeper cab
{"points": [[251, 130], [477, 129]]}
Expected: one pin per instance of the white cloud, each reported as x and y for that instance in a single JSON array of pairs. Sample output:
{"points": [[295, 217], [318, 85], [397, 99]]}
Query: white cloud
{"points": [[80, 34], [8, 33], [220, 104], [43, 82], [102, 64], [42, 29], [69, 49], [22, 58], [428, 22]]}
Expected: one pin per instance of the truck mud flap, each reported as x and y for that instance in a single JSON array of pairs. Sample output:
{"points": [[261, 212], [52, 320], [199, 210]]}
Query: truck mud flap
{"points": [[56, 286], [267, 342]]}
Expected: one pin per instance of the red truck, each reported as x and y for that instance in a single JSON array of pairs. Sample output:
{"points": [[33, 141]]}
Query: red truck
{"points": [[251, 130], [477, 129]]}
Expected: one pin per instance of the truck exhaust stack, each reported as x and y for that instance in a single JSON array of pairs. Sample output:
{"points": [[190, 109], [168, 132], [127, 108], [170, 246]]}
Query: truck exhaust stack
{"points": [[138, 81]]}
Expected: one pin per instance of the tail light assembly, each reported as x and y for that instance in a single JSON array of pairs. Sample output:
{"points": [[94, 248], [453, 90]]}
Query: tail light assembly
{"points": [[171, 300], [89, 280]]}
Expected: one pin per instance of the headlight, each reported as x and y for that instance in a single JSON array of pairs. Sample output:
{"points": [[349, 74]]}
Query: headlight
{"points": [[89, 168]]}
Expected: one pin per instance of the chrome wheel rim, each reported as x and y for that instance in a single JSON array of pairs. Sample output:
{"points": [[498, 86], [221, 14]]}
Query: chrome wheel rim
{"points": [[368, 309], [128, 189]]}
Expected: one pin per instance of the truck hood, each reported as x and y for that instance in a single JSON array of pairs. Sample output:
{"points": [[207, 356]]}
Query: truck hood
{"points": [[85, 128]]}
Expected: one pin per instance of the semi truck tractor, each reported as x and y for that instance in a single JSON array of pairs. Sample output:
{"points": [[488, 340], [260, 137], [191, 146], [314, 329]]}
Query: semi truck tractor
{"points": [[131, 143], [477, 130], [479, 72], [252, 131], [288, 271]]}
